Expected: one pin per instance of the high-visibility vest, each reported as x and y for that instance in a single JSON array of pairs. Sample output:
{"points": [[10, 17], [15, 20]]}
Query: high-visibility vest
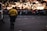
{"points": [[13, 12]]}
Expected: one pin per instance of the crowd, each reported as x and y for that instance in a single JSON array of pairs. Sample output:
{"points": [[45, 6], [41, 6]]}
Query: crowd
{"points": [[27, 7]]}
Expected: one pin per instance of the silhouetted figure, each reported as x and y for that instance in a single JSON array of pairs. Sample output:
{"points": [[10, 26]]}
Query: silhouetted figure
{"points": [[13, 15]]}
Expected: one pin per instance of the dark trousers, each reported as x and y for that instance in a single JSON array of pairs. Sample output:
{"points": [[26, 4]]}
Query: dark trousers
{"points": [[12, 20]]}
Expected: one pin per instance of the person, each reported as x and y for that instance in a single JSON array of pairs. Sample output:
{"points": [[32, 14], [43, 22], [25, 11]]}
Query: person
{"points": [[13, 15]]}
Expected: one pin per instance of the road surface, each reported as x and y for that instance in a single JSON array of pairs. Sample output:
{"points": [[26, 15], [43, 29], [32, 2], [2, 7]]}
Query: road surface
{"points": [[25, 23]]}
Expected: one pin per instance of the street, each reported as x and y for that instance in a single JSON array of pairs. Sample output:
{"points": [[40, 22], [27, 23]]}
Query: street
{"points": [[25, 23]]}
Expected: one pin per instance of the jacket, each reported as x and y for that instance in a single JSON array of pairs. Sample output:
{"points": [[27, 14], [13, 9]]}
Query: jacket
{"points": [[13, 12]]}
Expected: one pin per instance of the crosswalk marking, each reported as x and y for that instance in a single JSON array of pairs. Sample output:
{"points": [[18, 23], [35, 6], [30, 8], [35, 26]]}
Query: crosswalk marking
{"points": [[20, 30]]}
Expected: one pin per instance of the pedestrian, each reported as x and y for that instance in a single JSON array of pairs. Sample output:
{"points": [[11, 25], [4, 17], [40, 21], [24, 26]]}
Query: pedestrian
{"points": [[13, 15]]}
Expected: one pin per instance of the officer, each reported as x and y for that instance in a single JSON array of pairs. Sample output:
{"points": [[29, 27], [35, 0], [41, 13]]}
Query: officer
{"points": [[13, 15]]}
